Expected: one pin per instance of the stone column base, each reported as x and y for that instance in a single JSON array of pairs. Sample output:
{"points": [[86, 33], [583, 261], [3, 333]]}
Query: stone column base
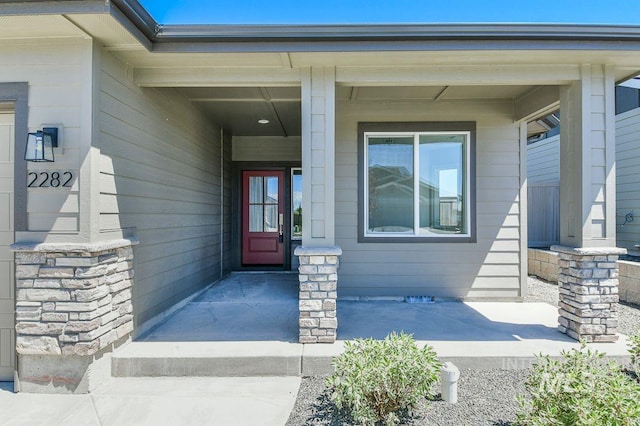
{"points": [[318, 276], [65, 374], [588, 292], [73, 303]]}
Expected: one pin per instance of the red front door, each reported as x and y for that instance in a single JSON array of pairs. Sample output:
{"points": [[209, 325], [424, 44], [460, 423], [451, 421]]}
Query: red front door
{"points": [[262, 217]]}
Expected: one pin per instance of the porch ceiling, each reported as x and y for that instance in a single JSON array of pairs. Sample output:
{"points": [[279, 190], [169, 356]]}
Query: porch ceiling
{"points": [[238, 109]]}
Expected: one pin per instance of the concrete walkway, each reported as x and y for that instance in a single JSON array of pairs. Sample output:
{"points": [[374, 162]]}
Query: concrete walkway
{"points": [[246, 327], [244, 401]]}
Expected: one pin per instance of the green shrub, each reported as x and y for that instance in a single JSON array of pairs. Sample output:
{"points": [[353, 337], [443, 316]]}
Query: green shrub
{"points": [[377, 379], [634, 350], [579, 389]]}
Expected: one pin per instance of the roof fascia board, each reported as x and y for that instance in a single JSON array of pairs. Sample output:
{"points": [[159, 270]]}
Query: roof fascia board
{"points": [[139, 29], [397, 45], [138, 16], [361, 32]]}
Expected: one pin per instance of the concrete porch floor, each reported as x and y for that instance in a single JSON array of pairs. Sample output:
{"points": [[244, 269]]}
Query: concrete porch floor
{"points": [[246, 325]]}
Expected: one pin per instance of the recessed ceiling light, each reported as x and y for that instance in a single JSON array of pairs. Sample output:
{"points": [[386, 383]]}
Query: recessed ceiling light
{"points": [[263, 121]]}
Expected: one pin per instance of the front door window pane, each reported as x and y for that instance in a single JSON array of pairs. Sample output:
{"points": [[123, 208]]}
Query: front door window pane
{"points": [[270, 218], [255, 189], [255, 218], [391, 186], [271, 189], [263, 204]]}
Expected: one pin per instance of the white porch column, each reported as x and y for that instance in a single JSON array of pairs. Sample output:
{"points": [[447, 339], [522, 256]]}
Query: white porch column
{"points": [[588, 278], [587, 160], [318, 156], [319, 257]]}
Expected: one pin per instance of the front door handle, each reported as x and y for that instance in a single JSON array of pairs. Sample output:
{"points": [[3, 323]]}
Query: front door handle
{"points": [[281, 227]]}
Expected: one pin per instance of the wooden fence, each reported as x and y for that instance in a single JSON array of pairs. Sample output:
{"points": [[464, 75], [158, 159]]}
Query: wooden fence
{"points": [[543, 204]]}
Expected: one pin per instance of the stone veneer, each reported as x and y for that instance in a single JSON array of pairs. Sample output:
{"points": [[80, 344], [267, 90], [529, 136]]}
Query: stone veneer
{"points": [[318, 276], [629, 279], [72, 300], [588, 292], [543, 264]]}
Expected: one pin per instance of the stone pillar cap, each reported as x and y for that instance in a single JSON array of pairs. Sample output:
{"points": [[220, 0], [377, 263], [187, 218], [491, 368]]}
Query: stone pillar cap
{"points": [[73, 247], [317, 251], [589, 251]]}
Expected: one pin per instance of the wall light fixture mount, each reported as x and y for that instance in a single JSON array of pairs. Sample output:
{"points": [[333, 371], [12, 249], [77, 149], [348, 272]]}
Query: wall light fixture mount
{"points": [[40, 145]]}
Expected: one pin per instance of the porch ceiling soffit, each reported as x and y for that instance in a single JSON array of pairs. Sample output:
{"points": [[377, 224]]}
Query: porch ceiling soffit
{"points": [[537, 103], [185, 76], [286, 59], [452, 75], [449, 75], [365, 69], [357, 76]]}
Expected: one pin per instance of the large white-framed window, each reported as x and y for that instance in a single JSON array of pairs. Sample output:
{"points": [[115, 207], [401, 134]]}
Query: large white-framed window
{"points": [[417, 182]]}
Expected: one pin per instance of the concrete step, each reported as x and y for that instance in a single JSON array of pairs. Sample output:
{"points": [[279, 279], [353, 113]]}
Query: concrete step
{"points": [[276, 358], [220, 359]]}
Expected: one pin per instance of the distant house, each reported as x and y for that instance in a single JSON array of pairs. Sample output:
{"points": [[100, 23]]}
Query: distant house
{"points": [[543, 168], [186, 152]]}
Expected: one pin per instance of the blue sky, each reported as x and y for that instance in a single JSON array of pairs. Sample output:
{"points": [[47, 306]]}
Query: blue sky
{"points": [[392, 11]]}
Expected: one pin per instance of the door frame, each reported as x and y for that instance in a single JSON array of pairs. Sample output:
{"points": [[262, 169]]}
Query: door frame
{"points": [[236, 212], [17, 94]]}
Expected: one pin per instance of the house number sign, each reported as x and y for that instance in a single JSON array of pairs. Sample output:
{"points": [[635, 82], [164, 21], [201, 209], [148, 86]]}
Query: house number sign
{"points": [[50, 179]]}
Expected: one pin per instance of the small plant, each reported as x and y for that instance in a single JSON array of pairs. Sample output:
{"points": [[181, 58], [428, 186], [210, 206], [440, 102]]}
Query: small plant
{"points": [[580, 389], [634, 350], [377, 379]]}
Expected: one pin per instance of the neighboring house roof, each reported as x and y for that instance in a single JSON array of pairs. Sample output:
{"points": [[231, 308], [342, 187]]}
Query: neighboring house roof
{"points": [[633, 83]]}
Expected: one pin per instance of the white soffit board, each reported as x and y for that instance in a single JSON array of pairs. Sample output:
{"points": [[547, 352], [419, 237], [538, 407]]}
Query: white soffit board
{"points": [[107, 30], [37, 26]]}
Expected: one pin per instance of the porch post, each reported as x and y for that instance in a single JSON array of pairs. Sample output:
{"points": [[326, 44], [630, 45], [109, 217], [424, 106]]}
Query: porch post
{"points": [[318, 272], [588, 278], [73, 308]]}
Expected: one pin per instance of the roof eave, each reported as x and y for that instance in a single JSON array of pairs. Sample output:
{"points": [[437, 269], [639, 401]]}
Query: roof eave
{"points": [[396, 32], [129, 13], [350, 37]]}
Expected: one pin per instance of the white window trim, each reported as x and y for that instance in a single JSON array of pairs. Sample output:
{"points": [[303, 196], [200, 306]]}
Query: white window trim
{"points": [[293, 169], [416, 185]]}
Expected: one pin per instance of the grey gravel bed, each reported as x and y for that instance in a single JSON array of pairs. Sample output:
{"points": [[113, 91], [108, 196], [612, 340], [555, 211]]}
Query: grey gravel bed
{"points": [[485, 397]]}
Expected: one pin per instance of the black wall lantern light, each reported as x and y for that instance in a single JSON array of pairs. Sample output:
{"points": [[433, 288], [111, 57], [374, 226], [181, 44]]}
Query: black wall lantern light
{"points": [[40, 145]]}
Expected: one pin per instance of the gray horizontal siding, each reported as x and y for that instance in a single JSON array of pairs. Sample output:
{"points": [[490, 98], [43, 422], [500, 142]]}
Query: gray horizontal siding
{"points": [[488, 268], [57, 71], [628, 177], [267, 148], [160, 173], [543, 161], [544, 168]]}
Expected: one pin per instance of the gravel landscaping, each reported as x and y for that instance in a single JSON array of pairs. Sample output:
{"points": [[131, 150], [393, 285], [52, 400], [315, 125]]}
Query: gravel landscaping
{"points": [[484, 397]]}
